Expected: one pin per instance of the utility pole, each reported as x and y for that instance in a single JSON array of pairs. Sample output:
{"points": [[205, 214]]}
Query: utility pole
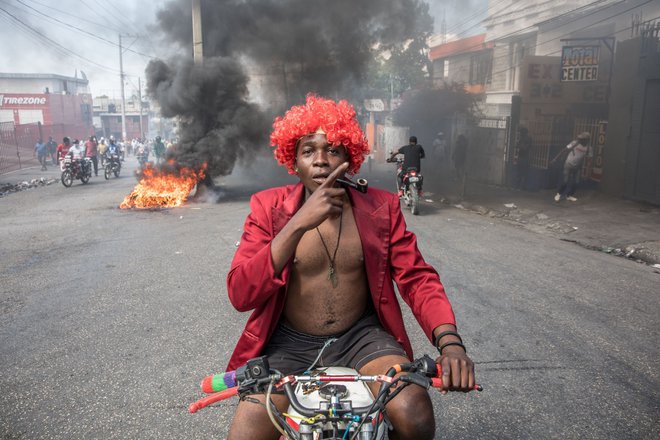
{"points": [[198, 47], [443, 28], [140, 100], [123, 97]]}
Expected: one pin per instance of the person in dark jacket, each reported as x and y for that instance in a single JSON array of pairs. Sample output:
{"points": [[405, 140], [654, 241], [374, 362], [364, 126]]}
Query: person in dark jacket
{"points": [[413, 153]]}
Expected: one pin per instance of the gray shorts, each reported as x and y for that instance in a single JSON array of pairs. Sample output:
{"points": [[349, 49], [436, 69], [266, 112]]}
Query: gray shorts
{"points": [[292, 352]]}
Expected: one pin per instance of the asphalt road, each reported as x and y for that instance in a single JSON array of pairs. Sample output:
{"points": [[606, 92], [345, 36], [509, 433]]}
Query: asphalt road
{"points": [[109, 319]]}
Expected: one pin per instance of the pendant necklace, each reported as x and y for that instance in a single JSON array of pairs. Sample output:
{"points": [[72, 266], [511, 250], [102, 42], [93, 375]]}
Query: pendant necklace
{"points": [[332, 276]]}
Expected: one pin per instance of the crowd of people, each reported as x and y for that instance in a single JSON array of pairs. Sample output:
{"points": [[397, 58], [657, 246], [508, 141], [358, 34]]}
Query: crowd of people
{"points": [[99, 150]]}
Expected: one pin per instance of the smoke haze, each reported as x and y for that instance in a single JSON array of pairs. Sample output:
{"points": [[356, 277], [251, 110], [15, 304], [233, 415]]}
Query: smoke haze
{"points": [[293, 47], [217, 126]]}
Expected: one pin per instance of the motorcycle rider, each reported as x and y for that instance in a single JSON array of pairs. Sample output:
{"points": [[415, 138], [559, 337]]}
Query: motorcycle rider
{"points": [[77, 152], [63, 148], [413, 153], [326, 292], [113, 148], [142, 153], [113, 153]]}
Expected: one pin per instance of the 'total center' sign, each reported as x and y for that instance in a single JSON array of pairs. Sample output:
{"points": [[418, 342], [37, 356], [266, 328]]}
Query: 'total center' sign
{"points": [[580, 63]]}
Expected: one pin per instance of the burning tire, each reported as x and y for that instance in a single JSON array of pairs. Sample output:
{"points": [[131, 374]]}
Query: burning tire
{"points": [[67, 178]]}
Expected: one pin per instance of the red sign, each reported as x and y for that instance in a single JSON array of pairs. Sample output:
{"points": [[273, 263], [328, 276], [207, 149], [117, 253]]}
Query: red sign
{"points": [[599, 145], [23, 100]]}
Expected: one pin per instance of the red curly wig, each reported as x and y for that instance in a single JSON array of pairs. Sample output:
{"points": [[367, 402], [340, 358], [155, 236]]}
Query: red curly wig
{"points": [[336, 119]]}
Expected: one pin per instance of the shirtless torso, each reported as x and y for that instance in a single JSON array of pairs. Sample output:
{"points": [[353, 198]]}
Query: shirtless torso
{"points": [[313, 306]]}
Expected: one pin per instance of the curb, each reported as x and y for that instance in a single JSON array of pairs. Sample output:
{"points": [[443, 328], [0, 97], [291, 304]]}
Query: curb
{"points": [[645, 252]]}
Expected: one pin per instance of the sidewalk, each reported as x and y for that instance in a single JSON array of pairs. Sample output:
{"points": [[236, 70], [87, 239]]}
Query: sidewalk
{"points": [[596, 221]]}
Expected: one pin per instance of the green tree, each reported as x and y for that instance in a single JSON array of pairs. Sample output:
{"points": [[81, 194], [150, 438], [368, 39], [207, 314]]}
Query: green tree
{"points": [[403, 65]]}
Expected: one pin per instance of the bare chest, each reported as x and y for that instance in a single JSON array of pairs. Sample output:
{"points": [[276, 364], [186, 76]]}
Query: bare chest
{"points": [[328, 245]]}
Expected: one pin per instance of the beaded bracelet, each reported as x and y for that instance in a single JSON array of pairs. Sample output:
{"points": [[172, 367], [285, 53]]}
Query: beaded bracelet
{"points": [[447, 344], [443, 334]]}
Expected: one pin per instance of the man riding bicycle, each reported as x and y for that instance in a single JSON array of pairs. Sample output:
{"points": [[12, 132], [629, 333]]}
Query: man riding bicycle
{"points": [[317, 265]]}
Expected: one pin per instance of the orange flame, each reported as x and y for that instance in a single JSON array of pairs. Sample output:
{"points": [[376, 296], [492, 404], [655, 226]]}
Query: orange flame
{"points": [[162, 189]]}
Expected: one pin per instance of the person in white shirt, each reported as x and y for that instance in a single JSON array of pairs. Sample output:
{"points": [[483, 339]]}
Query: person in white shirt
{"points": [[575, 152], [77, 150]]}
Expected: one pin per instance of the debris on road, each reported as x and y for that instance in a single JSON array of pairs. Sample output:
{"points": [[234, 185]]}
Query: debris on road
{"points": [[9, 188]]}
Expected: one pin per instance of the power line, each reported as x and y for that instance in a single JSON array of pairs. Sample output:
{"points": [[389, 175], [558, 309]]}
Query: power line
{"points": [[568, 33], [114, 17], [557, 17], [588, 5], [54, 43], [83, 19], [456, 27], [100, 15], [82, 30]]}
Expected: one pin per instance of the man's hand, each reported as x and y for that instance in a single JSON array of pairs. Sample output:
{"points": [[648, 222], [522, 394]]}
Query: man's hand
{"points": [[325, 202], [457, 370]]}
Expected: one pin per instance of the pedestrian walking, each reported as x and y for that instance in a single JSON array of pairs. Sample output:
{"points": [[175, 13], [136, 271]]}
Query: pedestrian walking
{"points": [[159, 149], [51, 147], [575, 153], [91, 151], [102, 148], [42, 153]]}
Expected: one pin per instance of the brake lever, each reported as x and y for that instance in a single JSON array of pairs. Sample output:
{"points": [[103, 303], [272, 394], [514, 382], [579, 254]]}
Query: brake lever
{"points": [[417, 379]]}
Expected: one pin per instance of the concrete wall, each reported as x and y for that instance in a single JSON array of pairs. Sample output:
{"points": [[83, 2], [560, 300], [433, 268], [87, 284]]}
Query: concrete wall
{"points": [[618, 130], [642, 181]]}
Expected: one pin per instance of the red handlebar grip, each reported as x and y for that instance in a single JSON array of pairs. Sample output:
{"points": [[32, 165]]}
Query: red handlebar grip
{"points": [[437, 383], [206, 401]]}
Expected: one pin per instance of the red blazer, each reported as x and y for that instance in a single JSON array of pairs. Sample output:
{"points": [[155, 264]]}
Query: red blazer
{"points": [[390, 254]]}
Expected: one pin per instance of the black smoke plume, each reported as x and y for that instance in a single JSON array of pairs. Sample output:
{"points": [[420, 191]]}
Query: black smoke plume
{"points": [[217, 126], [292, 47]]}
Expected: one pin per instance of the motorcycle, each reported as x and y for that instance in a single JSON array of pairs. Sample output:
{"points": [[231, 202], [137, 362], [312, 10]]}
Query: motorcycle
{"points": [[112, 166], [412, 183], [75, 169], [332, 403]]}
